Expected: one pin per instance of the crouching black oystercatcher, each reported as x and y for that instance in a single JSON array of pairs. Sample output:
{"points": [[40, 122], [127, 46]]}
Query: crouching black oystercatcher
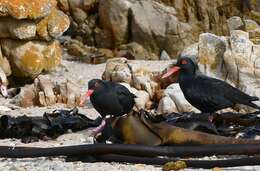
{"points": [[110, 98], [205, 93]]}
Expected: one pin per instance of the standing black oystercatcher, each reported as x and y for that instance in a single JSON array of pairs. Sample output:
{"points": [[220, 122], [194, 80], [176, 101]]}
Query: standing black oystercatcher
{"points": [[205, 93], [110, 98]]}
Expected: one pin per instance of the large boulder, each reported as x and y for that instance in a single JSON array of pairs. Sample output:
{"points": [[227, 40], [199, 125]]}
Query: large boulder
{"points": [[53, 26], [114, 18], [29, 59], [156, 27]]}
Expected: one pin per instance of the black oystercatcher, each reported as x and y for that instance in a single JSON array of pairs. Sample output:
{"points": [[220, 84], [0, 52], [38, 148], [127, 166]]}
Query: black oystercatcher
{"points": [[110, 98], [205, 93]]}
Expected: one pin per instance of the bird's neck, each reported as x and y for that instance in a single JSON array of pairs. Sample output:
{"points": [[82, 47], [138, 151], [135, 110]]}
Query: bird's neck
{"points": [[185, 78]]}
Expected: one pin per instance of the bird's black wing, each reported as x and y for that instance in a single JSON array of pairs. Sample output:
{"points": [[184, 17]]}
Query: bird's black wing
{"points": [[125, 97], [231, 93], [209, 94]]}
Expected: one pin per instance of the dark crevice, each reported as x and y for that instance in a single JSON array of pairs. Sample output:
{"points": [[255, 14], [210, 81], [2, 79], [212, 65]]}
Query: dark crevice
{"points": [[129, 26]]}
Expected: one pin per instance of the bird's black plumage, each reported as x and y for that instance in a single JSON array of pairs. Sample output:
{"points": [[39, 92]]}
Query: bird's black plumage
{"points": [[110, 98], [209, 94]]}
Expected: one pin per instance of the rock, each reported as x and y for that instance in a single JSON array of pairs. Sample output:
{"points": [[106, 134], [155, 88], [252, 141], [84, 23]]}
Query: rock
{"points": [[191, 51], [250, 25], [141, 75], [29, 59], [240, 43], [117, 70], [45, 87], [4, 109], [63, 5], [166, 105], [76, 48], [103, 38], [73, 94], [107, 53], [90, 5], [147, 16], [27, 96], [53, 26], [17, 29], [164, 56], [136, 51], [113, 17], [142, 99], [174, 92], [45, 92], [79, 15], [235, 23], [242, 62], [3, 78], [210, 55], [22, 9], [5, 65], [143, 80]]}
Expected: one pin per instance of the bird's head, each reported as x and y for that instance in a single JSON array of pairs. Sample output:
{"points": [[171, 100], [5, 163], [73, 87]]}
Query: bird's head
{"points": [[93, 85], [183, 65]]}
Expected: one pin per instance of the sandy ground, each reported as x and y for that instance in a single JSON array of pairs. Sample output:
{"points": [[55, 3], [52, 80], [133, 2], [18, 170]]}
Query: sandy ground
{"points": [[80, 73]]}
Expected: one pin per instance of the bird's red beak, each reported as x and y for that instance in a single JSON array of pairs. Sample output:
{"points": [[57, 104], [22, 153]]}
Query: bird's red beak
{"points": [[84, 98], [171, 71], [89, 92]]}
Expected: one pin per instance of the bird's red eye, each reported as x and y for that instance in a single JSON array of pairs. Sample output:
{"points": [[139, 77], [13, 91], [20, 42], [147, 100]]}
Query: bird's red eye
{"points": [[184, 62], [96, 84]]}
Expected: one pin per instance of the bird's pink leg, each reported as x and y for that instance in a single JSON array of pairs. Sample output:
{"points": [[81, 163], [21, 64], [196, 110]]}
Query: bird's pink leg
{"points": [[99, 128]]}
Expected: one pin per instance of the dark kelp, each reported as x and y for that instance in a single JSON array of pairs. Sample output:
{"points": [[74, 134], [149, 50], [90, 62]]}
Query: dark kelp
{"points": [[50, 125]]}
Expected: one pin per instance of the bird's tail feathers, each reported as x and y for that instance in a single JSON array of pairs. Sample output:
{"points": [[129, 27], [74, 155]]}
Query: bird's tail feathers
{"points": [[254, 105], [254, 98]]}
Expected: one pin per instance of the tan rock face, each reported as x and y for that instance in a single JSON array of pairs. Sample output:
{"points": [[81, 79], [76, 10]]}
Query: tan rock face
{"points": [[21, 9], [29, 59]]}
